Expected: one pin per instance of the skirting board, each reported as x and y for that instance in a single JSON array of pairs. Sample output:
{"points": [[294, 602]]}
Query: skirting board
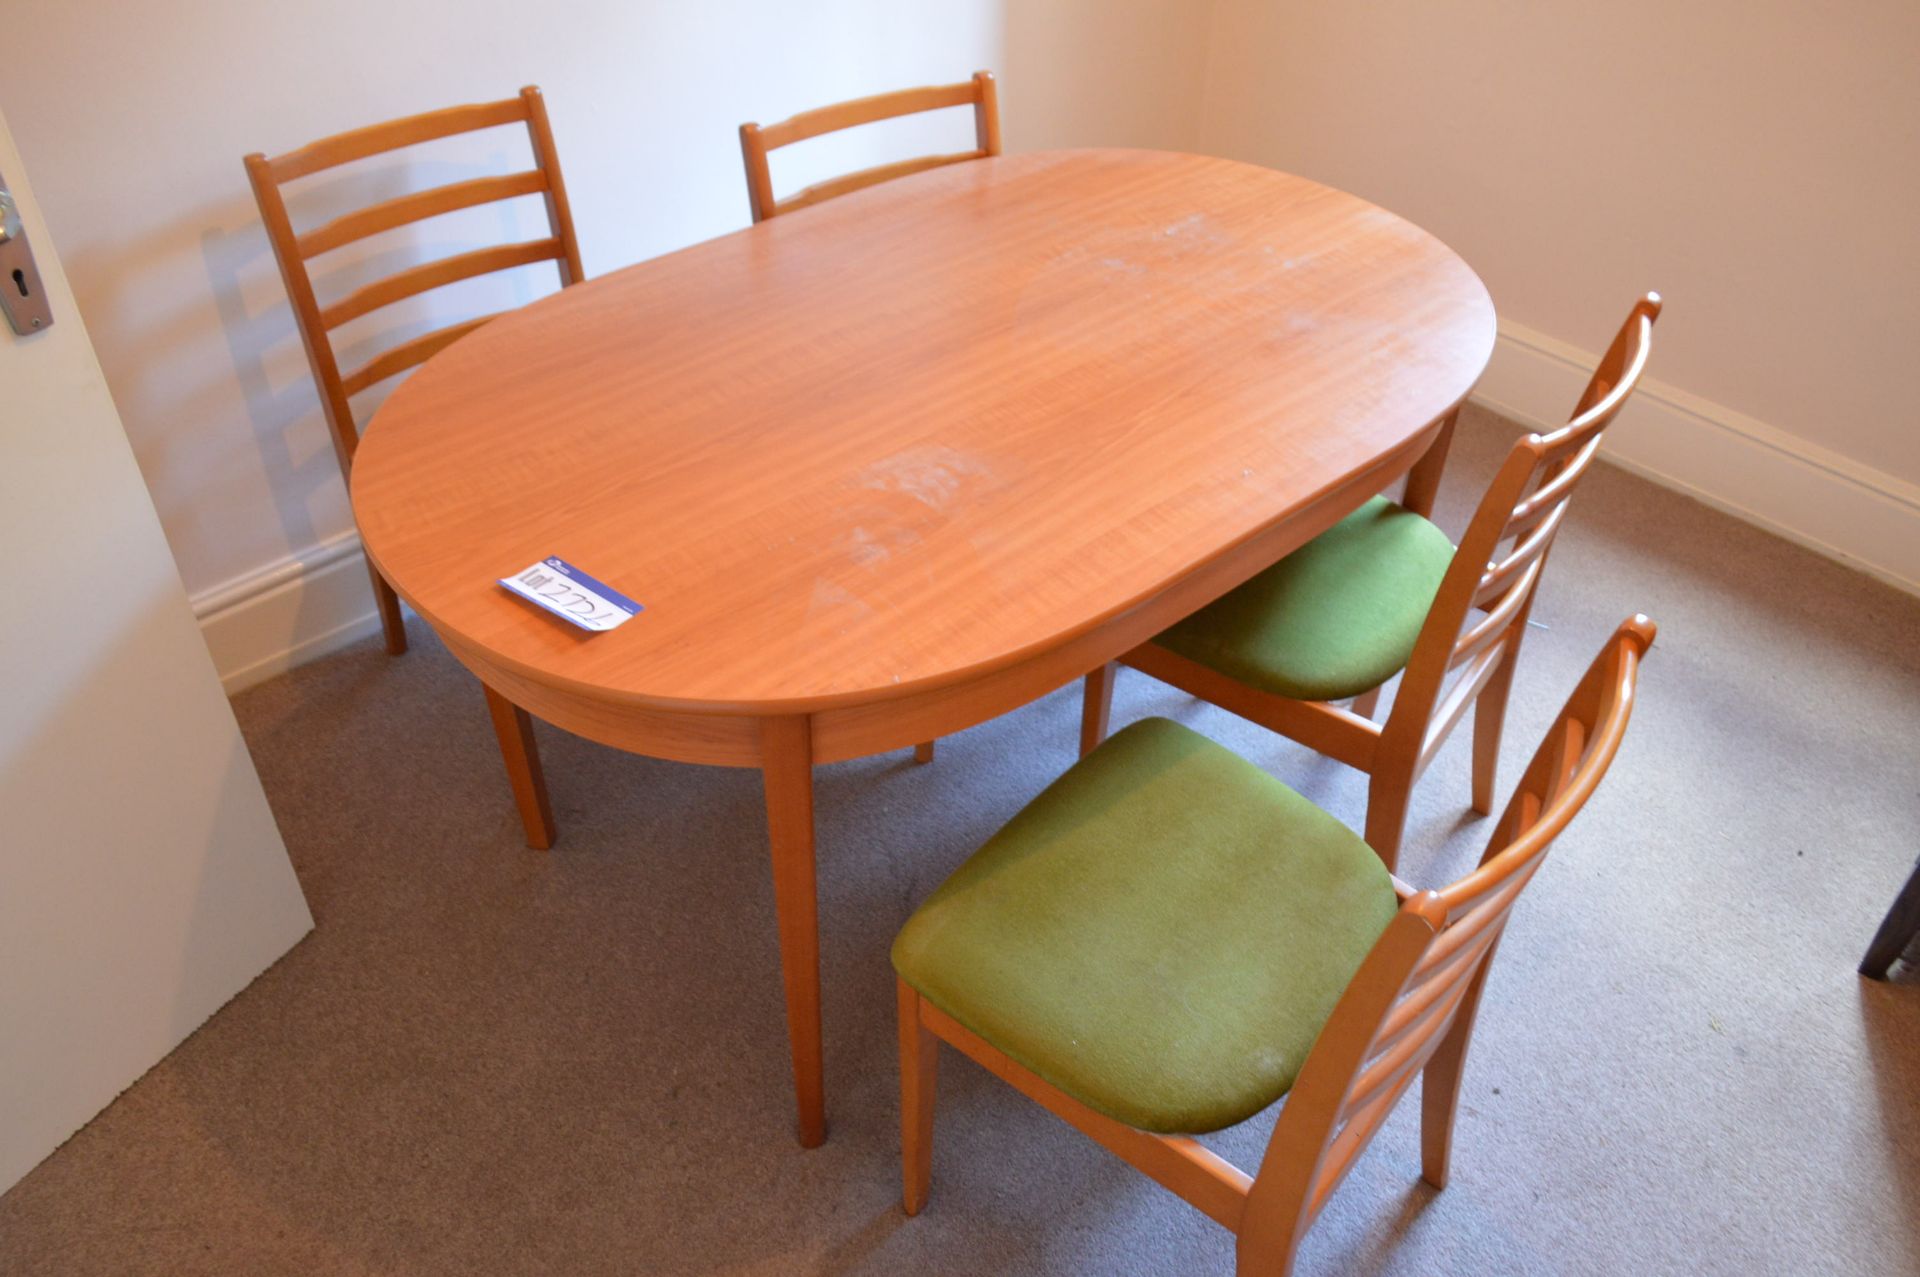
{"points": [[302, 607], [268, 621], [1758, 473]]}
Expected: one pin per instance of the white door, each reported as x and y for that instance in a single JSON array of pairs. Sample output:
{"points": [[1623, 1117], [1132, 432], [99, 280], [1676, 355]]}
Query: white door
{"points": [[142, 880]]}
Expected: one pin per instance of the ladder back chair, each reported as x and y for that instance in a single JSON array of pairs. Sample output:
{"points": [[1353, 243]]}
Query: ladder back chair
{"points": [[1384, 592], [1298, 967], [757, 140], [294, 250]]}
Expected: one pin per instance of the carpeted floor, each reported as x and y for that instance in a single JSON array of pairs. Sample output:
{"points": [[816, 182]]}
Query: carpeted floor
{"points": [[490, 1060]]}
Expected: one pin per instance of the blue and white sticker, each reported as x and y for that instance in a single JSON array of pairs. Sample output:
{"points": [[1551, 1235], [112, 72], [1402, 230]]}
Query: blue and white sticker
{"points": [[566, 591]]}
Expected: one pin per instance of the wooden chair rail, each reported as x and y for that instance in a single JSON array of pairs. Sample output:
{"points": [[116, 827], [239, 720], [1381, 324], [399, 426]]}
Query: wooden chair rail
{"points": [[1189, 1169], [407, 355], [1422, 995], [1402, 1052], [375, 139], [417, 207], [1356, 1132], [867, 110], [1499, 576], [1484, 910], [1444, 717], [1498, 619], [1338, 733], [1553, 491], [437, 274]]}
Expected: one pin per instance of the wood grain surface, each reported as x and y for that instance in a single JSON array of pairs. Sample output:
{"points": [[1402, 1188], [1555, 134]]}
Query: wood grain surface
{"points": [[920, 433]]}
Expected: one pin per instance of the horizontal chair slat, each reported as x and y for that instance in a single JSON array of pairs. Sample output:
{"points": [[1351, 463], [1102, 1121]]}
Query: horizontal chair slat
{"points": [[822, 191], [416, 208], [1454, 706], [1488, 629], [407, 355], [1182, 1165], [881, 106], [1499, 577], [436, 274], [377, 139], [1362, 1122]]}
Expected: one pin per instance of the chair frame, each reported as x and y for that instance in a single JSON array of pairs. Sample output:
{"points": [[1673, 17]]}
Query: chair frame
{"points": [[756, 140], [1460, 660], [1408, 1013], [293, 250]]}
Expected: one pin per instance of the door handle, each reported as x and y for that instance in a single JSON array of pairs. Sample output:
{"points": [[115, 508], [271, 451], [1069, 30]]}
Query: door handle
{"points": [[20, 293]]}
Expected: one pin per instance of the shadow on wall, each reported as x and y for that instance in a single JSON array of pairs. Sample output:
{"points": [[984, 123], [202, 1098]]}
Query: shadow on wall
{"points": [[291, 450], [263, 344]]}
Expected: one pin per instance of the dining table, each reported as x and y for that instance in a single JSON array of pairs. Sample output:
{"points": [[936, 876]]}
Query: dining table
{"points": [[890, 466]]}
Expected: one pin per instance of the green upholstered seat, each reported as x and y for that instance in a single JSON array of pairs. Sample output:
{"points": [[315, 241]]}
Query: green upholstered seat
{"points": [[1161, 934], [1335, 618]]}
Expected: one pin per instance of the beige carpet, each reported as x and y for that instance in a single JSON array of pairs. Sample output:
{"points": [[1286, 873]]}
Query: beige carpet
{"points": [[489, 1060]]}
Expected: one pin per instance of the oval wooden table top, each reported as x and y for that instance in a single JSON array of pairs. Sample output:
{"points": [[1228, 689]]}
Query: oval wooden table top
{"points": [[916, 433]]}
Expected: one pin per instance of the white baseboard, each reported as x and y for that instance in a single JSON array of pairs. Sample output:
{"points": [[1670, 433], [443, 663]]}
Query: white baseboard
{"points": [[270, 620], [1758, 473]]}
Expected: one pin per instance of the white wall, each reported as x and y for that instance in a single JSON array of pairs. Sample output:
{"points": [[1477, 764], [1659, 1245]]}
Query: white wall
{"points": [[1759, 163], [142, 880], [135, 118]]}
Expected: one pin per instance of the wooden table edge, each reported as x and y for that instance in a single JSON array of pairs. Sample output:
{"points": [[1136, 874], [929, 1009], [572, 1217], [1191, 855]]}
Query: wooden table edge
{"points": [[858, 724]]}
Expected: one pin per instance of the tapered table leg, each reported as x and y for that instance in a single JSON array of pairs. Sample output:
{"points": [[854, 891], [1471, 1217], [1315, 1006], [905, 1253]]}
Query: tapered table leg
{"points": [[1423, 481], [1902, 924], [786, 747], [522, 756]]}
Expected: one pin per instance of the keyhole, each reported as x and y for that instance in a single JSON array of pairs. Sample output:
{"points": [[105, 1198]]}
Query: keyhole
{"points": [[20, 281]]}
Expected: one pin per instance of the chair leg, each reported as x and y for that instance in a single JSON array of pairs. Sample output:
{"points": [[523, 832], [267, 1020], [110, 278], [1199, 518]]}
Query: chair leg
{"points": [[1897, 931], [923, 752], [392, 623], [1096, 707], [518, 750], [919, 1065], [1489, 717], [1367, 702], [1440, 1088], [1387, 801]]}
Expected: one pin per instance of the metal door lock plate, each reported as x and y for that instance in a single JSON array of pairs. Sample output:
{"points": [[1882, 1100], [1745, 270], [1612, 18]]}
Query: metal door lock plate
{"points": [[20, 293]]}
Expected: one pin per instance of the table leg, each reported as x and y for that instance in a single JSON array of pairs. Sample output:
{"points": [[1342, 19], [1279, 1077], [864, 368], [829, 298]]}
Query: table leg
{"points": [[522, 756], [1423, 481], [786, 747], [1901, 926]]}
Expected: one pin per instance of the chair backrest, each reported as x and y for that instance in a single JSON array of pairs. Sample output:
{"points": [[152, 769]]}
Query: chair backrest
{"points": [[1425, 970], [1479, 613], [294, 250], [756, 141]]}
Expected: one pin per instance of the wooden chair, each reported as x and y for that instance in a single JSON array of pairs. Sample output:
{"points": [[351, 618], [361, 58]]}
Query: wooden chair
{"points": [[294, 250], [1384, 592], [756, 141], [1029, 960]]}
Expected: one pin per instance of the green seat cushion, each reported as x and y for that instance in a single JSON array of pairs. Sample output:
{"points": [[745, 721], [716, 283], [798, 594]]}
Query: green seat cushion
{"points": [[1161, 933], [1335, 618]]}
